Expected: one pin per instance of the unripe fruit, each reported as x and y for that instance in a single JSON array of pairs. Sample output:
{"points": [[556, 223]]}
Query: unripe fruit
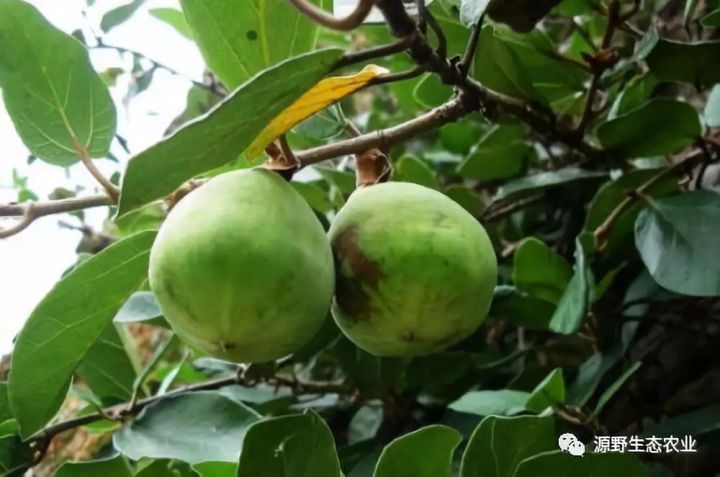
{"points": [[242, 268], [415, 272]]}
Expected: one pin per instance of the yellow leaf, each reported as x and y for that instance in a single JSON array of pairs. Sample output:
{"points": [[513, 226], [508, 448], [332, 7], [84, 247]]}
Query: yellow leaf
{"points": [[319, 97]]}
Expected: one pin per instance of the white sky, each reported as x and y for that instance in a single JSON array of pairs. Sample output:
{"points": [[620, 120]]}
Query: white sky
{"points": [[31, 262]]}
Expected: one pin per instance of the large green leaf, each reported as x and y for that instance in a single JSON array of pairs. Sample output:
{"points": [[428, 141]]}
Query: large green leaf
{"points": [[562, 464], [694, 63], [427, 452], [239, 39], [59, 104], [113, 467], [5, 412], [500, 153], [498, 444], [660, 126], [65, 326], [678, 239], [497, 67], [413, 169], [289, 446], [575, 300], [539, 271], [204, 426], [221, 136], [521, 309], [107, 367]]}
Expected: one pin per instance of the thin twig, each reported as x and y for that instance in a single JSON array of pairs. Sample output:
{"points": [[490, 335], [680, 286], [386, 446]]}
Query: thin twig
{"points": [[472, 46], [320, 16], [156, 64], [376, 52], [603, 230], [30, 211], [111, 189], [498, 213], [402, 76], [439, 33], [123, 409]]}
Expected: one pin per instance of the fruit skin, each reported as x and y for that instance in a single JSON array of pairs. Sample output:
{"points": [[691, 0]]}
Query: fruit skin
{"points": [[415, 272], [242, 268]]}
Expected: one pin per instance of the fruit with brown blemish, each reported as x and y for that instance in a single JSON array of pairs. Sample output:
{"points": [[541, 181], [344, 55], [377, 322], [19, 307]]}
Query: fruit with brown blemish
{"points": [[242, 268], [414, 271]]}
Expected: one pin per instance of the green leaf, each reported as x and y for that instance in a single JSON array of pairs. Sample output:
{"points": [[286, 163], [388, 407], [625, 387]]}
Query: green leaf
{"points": [[427, 452], [700, 421], [60, 106], [469, 199], [219, 137], [239, 39], [5, 412], [343, 180], [430, 91], [646, 131], [499, 154], [611, 194], [203, 426], [314, 195], [497, 67], [521, 309], [498, 444], [712, 108], [15, 456], [694, 63], [547, 180], [521, 15], [107, 368], [414, 169], [678, 239], [574, 303], [118, 15], [141, 306], [216, 469], [594, 368], [365, 423], [67, 323], [637, 92], [327, 124], [712, 19], [504, 402], [472, 10], [562, 464], [615, 387], [113, 467], [539, 271], [549, 392], [175, 18], [289, 446]]}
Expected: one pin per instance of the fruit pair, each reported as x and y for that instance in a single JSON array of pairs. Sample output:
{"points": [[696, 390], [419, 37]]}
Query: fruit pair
{"points": [[243, 270]]}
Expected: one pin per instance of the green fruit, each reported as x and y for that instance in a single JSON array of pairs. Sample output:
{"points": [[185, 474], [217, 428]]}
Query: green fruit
{"points": [[242, 268], [415, 272]]}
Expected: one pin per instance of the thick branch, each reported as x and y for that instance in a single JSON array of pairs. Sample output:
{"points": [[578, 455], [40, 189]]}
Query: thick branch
{"points": [[353, 20], [384, 138]]}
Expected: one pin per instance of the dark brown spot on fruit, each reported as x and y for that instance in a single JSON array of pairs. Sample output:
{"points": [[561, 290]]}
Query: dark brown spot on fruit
{"points": [[351, 287]]}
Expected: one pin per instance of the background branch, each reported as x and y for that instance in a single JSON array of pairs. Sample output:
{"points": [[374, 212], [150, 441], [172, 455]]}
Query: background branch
{"points": [[353, 20]]}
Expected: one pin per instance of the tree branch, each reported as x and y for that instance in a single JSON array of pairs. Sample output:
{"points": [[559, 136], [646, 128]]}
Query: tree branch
{"points": [[384, 138], [122, 410], [603, 230], [32, 210], [353, 20], [472, 46], [375, 52]]}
